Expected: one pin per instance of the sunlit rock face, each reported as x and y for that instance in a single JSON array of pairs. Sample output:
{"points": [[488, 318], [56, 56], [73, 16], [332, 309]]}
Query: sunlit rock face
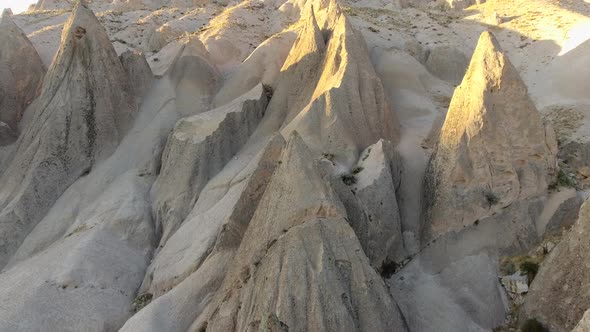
{"points": [[493, 148], [21, 76], [84, 110]]}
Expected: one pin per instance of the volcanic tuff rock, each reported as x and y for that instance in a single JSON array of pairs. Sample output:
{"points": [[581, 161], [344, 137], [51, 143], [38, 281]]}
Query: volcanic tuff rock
{"points": [[53, 4], [84, 109], [563, 278], [197, 149], [299, 238], [21, 75], [493, 148], [139, 72]]}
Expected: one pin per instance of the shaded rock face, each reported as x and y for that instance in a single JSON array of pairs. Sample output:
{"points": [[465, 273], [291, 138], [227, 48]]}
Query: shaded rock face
{"points": [[563, 278], [139, 72], [21, 77], [84, 109], [493, 148], [447, 63], [299, 238], [369, 196], [197, 149]]}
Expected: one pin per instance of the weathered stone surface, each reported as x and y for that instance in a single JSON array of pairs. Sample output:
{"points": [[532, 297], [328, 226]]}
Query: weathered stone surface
{"points": [[563, 278], [299, 238], [493, 149], [197, 149], [370, 198], [139, 72], [21, 76], [516, 283], [84, 110], [447, 63], [53, 4]]}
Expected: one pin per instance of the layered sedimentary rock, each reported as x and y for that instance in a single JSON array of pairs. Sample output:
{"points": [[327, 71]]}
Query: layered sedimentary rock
{"points": [[84, 110], [197, 149], [21, 76], [563, 278], [493, 148], [299, 239]]}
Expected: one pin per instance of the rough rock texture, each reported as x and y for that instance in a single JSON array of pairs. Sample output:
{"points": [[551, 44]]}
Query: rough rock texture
{"points": [[467, 290], [447, 63], [493, 149], [139, 72], [560, 293], [84, 110], [197, 150], [299, 238], [53, 4], [369, 196], [583, 324], [21, 76]]}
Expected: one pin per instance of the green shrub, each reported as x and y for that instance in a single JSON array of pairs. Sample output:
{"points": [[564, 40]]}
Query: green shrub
{"points": [[533, 325], [530, 268], [563, 180]]}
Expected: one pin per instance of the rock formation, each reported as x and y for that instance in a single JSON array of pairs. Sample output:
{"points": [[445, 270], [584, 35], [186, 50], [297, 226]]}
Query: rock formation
{"points": [[197, 149], [84, 110], [21, 76], [139, 72], [562, 279], [493, 148], [447, 63], [53, 4], [299, 238]]}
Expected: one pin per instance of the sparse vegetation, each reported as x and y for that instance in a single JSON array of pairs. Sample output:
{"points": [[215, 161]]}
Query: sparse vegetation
{"points": [[533, 325], [349, 179], [141, 301], [563, 180], [531, 268]]}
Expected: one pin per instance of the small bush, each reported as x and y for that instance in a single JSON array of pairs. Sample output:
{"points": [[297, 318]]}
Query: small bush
{"points": [[563, 180], [349, 179], [141, 301], [533, 325], [530, 268]]}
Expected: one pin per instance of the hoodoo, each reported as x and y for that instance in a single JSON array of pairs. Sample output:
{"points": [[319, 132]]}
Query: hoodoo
{"points": [[84, 110], [493, 148]]}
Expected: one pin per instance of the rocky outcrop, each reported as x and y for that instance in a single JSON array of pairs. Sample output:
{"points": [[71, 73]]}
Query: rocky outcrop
{"points": [[197, 149], [563, 278], [84, 110], [139, 72], [299, 238], [493, 148], [447, 63], [53, 4], [346, 111], [21, 77], [369, 194]]}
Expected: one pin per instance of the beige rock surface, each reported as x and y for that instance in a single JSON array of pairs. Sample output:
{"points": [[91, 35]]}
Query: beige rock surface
{"points": [[563, 279], [493, 148], [21, 75], [84, 110]]}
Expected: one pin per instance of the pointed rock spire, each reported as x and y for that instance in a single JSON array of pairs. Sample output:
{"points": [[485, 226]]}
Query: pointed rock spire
{"points": [[493, 148], [299, 238], [84, 109], [21, 75]]}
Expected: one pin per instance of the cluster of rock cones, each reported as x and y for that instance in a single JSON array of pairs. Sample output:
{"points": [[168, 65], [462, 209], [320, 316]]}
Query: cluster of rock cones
{"points": [[178, 202]]}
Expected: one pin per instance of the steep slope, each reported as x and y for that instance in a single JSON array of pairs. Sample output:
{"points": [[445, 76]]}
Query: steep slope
{"points": [[21, 74], [563, 278], [84, 110], [493, 148], [299, 238]]}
